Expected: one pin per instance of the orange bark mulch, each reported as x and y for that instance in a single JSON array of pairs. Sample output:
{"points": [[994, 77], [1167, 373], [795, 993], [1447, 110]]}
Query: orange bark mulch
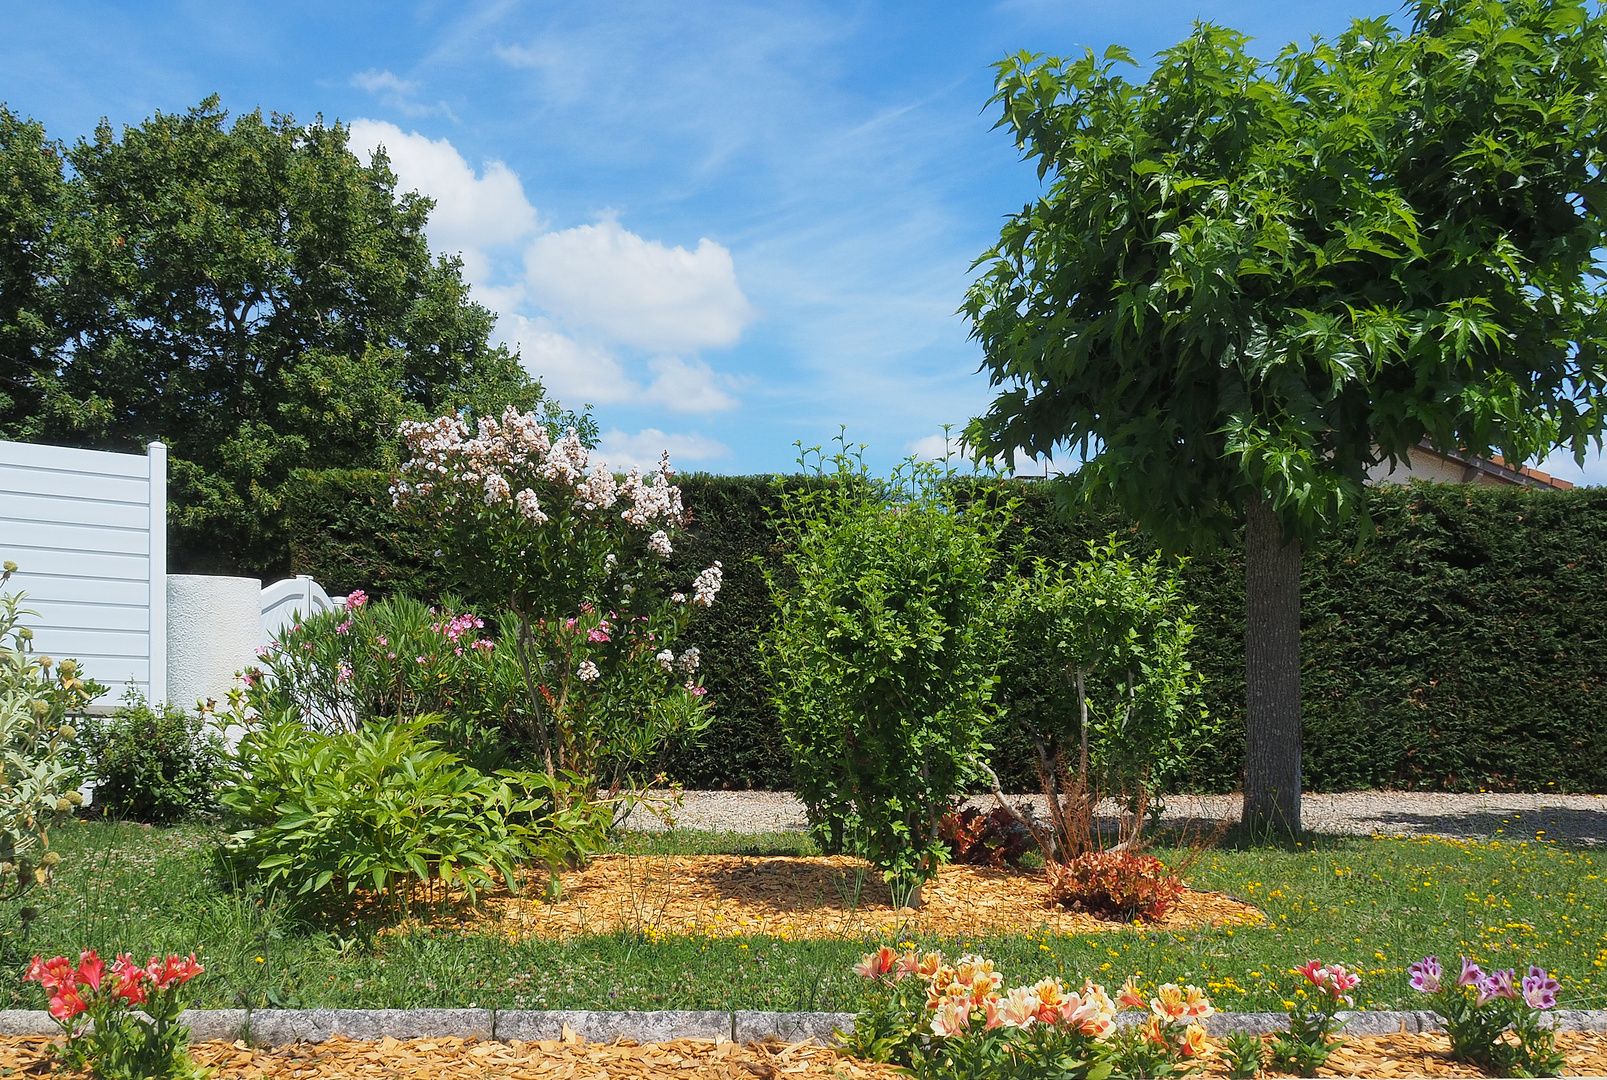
{"points": [[803, 897], [455, 1059], [1388, 1057]]}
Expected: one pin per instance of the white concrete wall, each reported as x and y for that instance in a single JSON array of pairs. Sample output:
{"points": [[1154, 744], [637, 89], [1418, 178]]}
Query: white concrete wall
{"points": [[88, 532], [212, 632]]}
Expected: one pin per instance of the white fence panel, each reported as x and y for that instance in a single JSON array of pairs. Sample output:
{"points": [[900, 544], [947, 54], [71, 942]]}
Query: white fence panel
{"points": [[88, 531], [284, 603]]}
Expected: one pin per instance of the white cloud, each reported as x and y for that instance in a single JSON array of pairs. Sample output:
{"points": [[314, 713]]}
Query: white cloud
{"points": [[638, 292], [471, 212], [622, 450], [376, 81], [686, 386], [397, 92], [570, 371], [934, 447]]}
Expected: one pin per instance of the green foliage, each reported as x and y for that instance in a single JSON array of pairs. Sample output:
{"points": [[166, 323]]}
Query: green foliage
{"points": [[883, 654], [575, 556], [1255, 279], [250, 292], [397, 659], [1459, 649], [150, 765], [1099, 671], [31, 189], [343, 531], [384, 808], [38, 784]]}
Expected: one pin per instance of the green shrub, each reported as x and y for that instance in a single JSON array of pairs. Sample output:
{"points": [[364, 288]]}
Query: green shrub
{"points": [[883, 654], [38, 782], [153, 766], [385, 808], [397, 659]]}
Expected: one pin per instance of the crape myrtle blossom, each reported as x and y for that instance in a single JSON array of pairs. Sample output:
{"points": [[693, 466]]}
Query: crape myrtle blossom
{"points": [[530, 521]]}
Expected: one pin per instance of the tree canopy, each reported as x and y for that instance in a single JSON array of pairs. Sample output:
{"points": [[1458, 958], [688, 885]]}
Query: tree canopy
{"points": [[1246, 282], [1250, 278], [250, 292]]}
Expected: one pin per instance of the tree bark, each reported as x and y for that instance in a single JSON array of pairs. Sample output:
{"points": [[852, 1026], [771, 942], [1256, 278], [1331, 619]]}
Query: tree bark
{"points": [[1271, 673]]}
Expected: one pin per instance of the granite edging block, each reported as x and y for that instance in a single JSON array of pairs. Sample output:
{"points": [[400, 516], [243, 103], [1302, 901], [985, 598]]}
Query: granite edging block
{"points": [[278, 1027], [605, 1027], [792, 1027]]}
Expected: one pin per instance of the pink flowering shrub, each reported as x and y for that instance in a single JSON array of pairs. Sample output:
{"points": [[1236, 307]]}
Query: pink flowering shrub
{"points": [[529, 525], [396, 659], [953, 1020], [94, 1007], [1479, 1009]]}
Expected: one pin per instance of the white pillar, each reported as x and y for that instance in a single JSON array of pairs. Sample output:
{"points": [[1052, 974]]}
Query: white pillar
{"points": [[156, 456]]}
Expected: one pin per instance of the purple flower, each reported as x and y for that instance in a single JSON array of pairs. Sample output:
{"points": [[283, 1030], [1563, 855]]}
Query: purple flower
{"points": [[1426, 975], [1471, 975], [1498, 984], [1540, 989]]}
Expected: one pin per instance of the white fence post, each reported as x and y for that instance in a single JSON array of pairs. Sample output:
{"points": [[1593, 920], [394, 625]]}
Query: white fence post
{"points": [[156, 454]]}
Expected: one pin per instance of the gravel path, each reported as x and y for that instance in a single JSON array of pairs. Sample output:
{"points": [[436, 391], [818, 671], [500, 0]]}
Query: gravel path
{"points": [[1579, 819]]}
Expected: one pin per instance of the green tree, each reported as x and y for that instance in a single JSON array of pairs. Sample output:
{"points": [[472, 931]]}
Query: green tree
{"points": [[31, 190], [1247, 282], [257, 297]]}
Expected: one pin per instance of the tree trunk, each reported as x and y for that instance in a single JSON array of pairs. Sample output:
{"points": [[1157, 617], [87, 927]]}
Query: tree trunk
{"points": [[1271, 673]]}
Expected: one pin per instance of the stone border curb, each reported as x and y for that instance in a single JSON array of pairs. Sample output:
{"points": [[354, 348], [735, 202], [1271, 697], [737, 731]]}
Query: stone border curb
{"points": [[278, 1027]]}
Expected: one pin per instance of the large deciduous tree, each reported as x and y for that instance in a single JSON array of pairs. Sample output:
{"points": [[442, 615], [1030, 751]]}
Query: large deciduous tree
{"points": [[250, 292], [1247, 282]]}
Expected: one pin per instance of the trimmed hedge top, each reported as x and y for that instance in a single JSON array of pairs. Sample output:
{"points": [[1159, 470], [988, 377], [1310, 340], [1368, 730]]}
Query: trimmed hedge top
{"points": [[1460, 647]]}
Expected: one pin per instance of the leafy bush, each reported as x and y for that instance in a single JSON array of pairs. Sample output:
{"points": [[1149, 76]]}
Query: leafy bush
{"points": [[577, 557], [155, 766], [992, 839], [883, 655], [398, 659], [1115, 885], [37, 779], [385, 807], [1107, 681]]}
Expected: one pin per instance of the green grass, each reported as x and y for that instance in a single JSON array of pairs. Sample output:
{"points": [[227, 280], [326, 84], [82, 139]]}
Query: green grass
{"points": [[1375, 905]]}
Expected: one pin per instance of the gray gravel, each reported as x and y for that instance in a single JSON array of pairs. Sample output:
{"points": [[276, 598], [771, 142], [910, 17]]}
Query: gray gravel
{"points": [[1579, 819]]}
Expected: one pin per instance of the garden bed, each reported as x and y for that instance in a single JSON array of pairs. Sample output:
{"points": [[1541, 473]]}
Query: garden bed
{"points": [[812, 897], [1393, 1057]]}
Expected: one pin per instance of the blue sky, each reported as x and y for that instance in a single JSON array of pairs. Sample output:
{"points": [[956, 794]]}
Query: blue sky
{"points": [[728, 226]]}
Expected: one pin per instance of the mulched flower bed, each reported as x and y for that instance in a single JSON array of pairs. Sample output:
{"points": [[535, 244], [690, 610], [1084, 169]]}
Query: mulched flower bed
{"points": [[455, 1059], [1390, 1057], [818, 897]]}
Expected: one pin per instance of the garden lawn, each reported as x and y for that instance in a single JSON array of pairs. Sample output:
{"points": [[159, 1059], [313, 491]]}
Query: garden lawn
{"points": [[1373, 904]]}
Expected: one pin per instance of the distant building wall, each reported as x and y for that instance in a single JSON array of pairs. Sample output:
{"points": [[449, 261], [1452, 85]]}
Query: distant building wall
{"points": [[88, 532]]}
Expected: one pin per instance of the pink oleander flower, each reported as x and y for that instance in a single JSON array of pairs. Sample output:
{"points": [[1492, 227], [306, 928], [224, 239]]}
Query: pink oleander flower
{"points": [[1540, 989], [356, 599], [597, 635], [344, 628], [695, 690], [343, 673], [1426, 975], [382, 641]]}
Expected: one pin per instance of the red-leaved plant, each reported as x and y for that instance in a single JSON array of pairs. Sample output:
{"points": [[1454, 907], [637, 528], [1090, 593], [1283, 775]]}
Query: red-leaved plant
{"points": [[94, 1007], [1115, 885]]}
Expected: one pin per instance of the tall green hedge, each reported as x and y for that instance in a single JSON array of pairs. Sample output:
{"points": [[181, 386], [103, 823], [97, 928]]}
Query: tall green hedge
{"points": [[1461, 646]]}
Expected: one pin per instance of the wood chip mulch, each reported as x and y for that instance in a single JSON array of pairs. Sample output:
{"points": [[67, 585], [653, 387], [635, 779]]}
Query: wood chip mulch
{"points": [[1388, 1057], [455, 1059], [817, 897]]}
